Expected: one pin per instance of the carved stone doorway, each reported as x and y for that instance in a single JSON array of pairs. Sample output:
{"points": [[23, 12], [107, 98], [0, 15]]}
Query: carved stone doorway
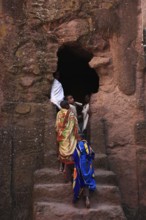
{"points": [[77, 78]]}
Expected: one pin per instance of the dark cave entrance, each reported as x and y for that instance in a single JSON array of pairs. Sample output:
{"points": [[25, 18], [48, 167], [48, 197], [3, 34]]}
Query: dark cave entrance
{"points": [[77, 78]]}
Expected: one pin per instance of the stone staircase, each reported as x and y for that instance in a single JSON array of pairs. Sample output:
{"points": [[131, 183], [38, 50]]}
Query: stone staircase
{"points": [[53, 197]]}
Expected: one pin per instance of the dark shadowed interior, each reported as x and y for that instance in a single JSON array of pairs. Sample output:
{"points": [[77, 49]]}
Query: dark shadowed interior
{"points": [[77, 78]]}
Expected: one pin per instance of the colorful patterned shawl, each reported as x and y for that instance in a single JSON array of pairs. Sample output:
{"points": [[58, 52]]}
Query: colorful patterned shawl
{"points": [[67, 130]]}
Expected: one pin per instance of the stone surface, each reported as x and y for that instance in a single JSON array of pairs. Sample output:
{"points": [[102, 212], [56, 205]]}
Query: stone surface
{"points": [[6, 172], [50, 188], [58, 211], [124, 52], [71, 31], [31, 33], [126, 170], [140, 131], [23, 109], [27, 81], [141, 158], [47, 175], [98, 61]]}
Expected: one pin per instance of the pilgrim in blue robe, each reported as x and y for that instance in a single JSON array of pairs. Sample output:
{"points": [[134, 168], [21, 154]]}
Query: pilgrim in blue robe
{"points": [[83, 169]]}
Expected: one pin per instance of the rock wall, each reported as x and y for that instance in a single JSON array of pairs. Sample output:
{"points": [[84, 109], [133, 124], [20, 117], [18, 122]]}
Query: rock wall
{"points": [[31, 33]]}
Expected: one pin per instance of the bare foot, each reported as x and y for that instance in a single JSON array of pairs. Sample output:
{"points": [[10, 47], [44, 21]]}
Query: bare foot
{"points": [[87, 202]]}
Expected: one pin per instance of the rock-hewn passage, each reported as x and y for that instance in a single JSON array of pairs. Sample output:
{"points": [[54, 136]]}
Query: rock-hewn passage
{"points": [[105, 36], [52, 197]]}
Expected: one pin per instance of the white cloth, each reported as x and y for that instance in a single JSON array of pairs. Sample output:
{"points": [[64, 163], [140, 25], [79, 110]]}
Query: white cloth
{"points": [[85, 116], [57, 93], [78, 103], [73, 109]]}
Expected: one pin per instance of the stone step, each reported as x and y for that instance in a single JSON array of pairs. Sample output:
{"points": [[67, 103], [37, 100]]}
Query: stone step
{"points": [[48, 175], [63, 192], [61, 211], [100, 161], [105, 177]]}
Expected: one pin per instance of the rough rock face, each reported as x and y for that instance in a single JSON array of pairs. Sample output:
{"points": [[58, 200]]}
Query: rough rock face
{"points": [[31, 33]]}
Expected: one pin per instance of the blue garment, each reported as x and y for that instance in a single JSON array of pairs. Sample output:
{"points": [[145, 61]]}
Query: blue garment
{"points": [[83, 168]]}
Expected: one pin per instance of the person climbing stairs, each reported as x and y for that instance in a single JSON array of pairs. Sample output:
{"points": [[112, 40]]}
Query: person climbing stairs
{"points": [[52, 197]]}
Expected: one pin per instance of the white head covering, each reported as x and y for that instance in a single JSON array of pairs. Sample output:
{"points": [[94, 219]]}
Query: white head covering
{"points": [[57, 93]]}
